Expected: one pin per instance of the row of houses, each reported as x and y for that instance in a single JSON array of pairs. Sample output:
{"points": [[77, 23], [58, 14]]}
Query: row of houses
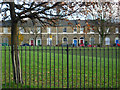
{"points": [[65, 32]]}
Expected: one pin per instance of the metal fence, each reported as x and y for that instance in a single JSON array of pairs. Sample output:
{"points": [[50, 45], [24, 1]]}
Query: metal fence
{"points": [[62, 67]]}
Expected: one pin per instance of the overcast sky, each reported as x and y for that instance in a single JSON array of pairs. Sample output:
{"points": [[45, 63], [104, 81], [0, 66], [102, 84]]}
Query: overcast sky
{"points": [[74, 15]]}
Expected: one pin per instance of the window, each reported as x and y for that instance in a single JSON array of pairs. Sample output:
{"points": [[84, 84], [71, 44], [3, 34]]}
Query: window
{"points": [[74, 30], [31, 31], [91, 30], [48, 30], [107, 41], [38, 30], [21, 30], [5, 30], [92, 41], [107, 30], [116, 30], [65, 39], [5, 40], [81, 30], [49, 41], [65, 30]]}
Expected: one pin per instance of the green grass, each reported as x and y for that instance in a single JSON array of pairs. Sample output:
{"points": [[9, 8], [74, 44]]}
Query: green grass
{"points": [[36, 60]]}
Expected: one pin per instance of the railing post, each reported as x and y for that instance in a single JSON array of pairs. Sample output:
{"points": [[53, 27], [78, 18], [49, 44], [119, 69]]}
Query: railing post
{"points": [[0, 67], [67, 67]]}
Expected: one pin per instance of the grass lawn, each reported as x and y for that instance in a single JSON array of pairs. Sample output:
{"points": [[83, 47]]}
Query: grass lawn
{"points": [[32, 60]]}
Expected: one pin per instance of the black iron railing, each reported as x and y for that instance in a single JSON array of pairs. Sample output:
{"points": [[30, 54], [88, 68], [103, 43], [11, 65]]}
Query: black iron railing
{"points": [[62, 67]]}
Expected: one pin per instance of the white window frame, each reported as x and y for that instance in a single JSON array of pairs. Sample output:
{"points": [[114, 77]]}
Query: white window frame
{"points": [[82, 30], [48, 41], [48, 30], [91, 30], [5, 30], [74, 31], [63, 40], [107, 41], [91, 39], [66, 30], [116, 30], [38, 30], [5, 40]]}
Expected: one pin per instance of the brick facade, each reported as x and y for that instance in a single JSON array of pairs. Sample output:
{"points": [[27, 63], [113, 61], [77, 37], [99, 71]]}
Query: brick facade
{"points": [[57, 35]]}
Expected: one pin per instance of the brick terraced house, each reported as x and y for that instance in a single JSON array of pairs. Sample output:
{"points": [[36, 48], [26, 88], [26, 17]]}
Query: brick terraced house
{"points": [[64, 32]]}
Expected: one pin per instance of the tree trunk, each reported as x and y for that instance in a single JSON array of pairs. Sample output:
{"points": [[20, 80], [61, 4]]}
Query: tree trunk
{"points": [[15, 54], [101, 41]]}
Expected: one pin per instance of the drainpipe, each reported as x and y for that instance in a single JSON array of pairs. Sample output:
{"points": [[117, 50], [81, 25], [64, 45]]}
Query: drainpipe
{"points": [[56, 36]]}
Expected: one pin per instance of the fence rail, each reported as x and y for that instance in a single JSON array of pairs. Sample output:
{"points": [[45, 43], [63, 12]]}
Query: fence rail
{"points": [[62, 67]]}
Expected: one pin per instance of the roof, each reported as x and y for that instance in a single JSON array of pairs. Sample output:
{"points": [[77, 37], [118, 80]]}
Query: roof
{"points": [[60, 23]]}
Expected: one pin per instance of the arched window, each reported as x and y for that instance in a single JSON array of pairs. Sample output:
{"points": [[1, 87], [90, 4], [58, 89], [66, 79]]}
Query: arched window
{"points": [[92, 41], [65, 39], [107, 41]]}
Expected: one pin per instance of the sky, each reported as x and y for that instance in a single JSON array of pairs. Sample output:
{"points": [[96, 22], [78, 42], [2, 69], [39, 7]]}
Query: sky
{"points": [[71, 18]]}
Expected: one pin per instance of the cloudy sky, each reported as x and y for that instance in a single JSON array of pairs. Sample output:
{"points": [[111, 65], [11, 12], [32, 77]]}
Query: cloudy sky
{"points": [[75, 16]]}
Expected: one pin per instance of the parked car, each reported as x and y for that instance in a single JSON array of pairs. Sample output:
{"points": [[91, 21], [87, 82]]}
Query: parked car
{"points": [[26, 44], [118, 45], [89, 45], [82, 45]]}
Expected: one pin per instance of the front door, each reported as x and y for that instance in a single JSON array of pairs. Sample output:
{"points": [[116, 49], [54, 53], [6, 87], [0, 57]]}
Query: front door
{"points": [[81, 41], [32, 43], [117, 41], [75, 42], [38, 42]]}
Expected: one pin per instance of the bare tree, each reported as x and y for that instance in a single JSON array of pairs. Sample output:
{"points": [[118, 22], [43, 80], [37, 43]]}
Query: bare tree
{"points": [[45, 12], [104, 16]]}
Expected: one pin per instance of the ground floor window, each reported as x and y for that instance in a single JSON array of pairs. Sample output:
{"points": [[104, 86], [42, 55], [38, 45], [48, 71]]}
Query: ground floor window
{"points": [[107, 41], [49, 41], [116, 40], [92, 41], [65, 40], [5, 40]]}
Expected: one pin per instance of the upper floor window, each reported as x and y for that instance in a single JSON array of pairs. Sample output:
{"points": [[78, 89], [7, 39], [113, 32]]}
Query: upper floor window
{"points": [[5, 30], [116, 30], [91, 30], [107, 30], [21, 30], [64, 29], [48, 30], [31, 31], [81, 30], [38, 30], [74, 30]]}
